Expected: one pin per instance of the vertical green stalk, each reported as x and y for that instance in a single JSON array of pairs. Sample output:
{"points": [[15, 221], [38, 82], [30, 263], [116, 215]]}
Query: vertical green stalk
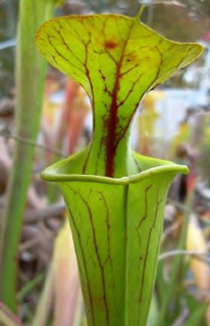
{"points": [[30, 77], [10, 14]]}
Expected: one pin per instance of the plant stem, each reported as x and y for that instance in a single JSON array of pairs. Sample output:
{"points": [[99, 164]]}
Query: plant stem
{"points": [[45, 301], [30, 286], [10, 13], [30, 77]]}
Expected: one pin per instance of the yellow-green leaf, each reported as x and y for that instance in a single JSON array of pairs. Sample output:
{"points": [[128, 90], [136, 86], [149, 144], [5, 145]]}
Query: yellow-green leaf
{"points": [[117, 59]]}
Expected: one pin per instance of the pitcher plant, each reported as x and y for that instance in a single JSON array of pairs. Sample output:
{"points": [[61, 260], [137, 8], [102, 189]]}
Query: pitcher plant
{"points": [[115, 197]]}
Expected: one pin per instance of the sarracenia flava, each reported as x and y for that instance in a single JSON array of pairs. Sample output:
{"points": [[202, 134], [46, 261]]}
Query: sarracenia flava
{"points": [[115, 197]]}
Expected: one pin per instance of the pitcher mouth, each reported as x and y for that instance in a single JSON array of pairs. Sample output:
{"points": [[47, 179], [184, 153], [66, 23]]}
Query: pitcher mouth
{"points": [[52, 174]]}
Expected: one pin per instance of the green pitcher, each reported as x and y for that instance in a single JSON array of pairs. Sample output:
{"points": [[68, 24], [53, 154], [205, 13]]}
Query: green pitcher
{"points": [[115, 197]]}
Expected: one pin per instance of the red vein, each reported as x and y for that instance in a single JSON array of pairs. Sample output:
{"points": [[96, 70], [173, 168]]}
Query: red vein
{"points": [[146, 206], [113, 119], [83, 258], [66, 45], [97, 254], [129, 70], [142, 283], [130, 91], [61, 56]]}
